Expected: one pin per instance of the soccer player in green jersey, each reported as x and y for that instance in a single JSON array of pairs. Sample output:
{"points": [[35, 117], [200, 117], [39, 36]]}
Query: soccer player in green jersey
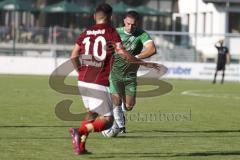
{"points": [[123, 74]]}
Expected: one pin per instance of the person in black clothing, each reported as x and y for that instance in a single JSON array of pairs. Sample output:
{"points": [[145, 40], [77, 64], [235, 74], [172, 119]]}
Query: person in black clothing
{"points": [[223, 57]]}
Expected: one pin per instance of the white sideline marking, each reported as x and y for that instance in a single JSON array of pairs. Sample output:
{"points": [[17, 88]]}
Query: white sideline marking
{"points": [[203, 93]]}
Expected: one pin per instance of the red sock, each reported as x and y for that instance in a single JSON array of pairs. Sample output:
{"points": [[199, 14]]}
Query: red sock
{"points": [[99, 125], [82, 143], [83, 129]]}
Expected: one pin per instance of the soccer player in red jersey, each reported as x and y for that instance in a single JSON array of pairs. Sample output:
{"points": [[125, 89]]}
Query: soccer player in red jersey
{"points": [[92, 59]]}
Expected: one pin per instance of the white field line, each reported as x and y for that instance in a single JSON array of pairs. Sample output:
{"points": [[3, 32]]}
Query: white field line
{"points": [[214, 94]]}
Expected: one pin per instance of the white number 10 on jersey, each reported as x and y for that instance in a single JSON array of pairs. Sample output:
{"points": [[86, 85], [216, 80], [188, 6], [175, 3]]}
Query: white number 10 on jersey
{"points": [[102, 41]]}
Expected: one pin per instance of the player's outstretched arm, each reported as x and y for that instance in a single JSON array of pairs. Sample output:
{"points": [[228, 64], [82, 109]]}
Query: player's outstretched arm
{"points": [[75, 57], [125, 55], [149, 50], [153, 65]]}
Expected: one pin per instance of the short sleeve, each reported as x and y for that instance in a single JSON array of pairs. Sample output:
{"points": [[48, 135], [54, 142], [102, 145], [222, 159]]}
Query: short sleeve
{"points": [[145, 38], [116, 37], [80, 39]]}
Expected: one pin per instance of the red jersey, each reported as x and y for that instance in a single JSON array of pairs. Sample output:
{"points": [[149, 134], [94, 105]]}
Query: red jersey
{"points": [[97, 45]]}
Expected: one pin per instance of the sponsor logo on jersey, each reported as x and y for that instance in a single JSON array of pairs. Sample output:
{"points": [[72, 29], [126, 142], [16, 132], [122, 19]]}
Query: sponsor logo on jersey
{"points": [[96, 32], [89, 60]]}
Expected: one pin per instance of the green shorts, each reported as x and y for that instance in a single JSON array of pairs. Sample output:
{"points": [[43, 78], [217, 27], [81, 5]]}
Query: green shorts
{"points": [[123, 85]]}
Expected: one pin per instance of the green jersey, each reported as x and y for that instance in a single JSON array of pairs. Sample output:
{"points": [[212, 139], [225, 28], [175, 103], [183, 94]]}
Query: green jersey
{"points": [[133, 43]]}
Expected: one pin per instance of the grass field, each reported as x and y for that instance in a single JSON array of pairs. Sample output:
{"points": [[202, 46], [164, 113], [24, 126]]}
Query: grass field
{"points": [[196, 120]]}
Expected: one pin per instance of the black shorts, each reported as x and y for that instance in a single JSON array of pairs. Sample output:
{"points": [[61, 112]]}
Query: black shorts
{"points": [[221, 66]]}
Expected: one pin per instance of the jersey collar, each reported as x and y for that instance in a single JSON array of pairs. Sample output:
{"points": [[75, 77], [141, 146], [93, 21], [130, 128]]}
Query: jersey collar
{"points": [[126, 32]]}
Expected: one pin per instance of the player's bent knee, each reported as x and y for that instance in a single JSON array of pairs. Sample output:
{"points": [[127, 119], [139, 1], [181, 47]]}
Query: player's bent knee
{"points": [[116, 100], [117, 103], [109, 121], [128, 108], [109, 118], [91, 115]]}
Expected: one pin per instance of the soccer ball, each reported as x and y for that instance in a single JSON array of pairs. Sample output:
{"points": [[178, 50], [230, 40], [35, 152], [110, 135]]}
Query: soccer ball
{"points": [[111, 132]]}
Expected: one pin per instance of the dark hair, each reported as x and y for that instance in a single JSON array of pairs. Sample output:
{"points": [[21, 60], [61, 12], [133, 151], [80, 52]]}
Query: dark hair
{"points": [[132, 14], [104, 8]]}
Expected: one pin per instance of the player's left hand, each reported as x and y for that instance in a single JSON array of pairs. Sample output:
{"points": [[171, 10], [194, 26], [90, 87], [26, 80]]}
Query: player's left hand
{"points": [[156, 66]]}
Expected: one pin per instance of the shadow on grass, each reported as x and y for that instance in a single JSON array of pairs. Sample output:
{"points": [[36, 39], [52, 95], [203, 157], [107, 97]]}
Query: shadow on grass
{"points": [[31, 126], [169, 131], [149, 155], [131, 131], [147, 134], [35, 138], [177, 136]]}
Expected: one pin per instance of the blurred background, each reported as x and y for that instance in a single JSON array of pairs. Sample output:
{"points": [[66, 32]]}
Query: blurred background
{"points": [[184, 32]]}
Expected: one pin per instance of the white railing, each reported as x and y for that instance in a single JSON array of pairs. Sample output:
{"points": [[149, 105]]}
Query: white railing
{"points": [[171, 46]]}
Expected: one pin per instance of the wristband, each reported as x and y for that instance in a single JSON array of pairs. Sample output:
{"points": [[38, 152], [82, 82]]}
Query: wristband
{"points": [[137, 56]]}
